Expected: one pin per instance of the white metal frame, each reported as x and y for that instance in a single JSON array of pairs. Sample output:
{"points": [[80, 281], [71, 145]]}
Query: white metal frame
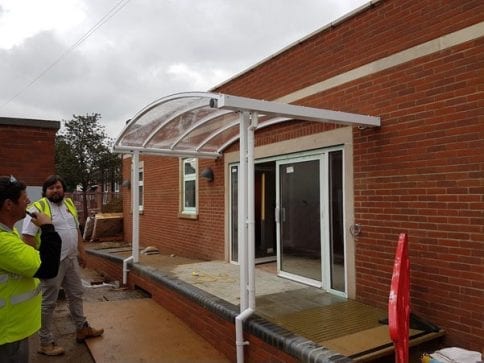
{"points": [[184, 179], [288, 275], [249, 110]]}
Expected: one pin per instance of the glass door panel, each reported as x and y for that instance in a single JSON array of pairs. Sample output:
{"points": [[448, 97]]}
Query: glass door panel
{"points": [[336, 225], [300, 218], [264, 205], [234, 213]]}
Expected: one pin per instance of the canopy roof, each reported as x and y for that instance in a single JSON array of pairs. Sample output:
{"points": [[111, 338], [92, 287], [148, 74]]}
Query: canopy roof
{"points": [[203, 124]]}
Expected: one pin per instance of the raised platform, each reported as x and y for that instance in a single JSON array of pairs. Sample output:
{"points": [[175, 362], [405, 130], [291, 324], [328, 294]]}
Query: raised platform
{"points": [[298, 322]]}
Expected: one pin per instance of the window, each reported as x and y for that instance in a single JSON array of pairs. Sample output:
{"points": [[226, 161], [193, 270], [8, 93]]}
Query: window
{"points": [[189, 186], [105, 193]]}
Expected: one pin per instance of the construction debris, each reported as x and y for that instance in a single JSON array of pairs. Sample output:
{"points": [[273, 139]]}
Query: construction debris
{"points": [[150, 250]]}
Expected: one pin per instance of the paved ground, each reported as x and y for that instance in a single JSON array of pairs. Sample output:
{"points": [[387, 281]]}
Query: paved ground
{"points": [[64, 327], [142, 331]]}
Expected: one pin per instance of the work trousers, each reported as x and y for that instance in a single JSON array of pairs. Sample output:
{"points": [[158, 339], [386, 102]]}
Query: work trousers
{"points": [[69, 277], [15, 352]]}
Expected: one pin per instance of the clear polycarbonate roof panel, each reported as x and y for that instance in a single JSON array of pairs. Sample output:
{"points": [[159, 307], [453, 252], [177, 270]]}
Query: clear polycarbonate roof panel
{"points": [[180, 122], [166, 136], [199, 137], [202, 124], [152, 120], [221, 139]]}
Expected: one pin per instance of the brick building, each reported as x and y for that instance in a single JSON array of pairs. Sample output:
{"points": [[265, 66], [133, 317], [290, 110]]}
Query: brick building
{"points": [[418, 66], [27, 150]]}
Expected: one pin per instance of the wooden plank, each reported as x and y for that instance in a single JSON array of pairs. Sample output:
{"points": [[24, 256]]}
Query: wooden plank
{"points": [[373, 343]]}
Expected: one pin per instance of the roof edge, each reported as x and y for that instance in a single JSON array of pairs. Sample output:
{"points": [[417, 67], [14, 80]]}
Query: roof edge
{"points": [[339, 20], [28, 122]]}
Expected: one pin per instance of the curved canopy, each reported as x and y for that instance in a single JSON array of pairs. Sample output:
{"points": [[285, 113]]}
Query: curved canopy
{"points": [[202, 124]]}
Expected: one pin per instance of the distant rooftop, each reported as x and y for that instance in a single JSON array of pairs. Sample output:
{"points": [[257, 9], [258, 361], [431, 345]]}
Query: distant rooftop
{"points": [[28, 122]]}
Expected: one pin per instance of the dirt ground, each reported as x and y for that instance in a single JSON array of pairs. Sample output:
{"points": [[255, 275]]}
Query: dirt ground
{"points": [[95, 291]]}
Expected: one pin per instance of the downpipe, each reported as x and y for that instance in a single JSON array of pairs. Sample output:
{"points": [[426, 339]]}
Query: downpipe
{"points": [[125, 268], [239, 333]]}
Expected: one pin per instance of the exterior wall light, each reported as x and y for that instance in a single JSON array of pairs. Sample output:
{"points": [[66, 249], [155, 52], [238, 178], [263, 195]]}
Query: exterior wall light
{"points": [[207, 174]]}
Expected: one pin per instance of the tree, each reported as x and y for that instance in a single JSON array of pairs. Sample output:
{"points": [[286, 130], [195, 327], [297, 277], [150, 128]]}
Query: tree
{"points": [[83, 155]]}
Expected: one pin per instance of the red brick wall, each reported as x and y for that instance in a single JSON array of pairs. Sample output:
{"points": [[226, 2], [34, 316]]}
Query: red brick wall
{"points": [[217, 331], [28, 153], [389, 27], [160, 223], [422, 172]]}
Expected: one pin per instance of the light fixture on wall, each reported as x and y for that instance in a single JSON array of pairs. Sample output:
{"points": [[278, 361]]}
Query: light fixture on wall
{"points": [[207, 174], [126, 184]]}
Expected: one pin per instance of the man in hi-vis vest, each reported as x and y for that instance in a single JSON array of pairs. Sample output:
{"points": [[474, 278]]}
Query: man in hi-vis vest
{"points": [[20, 265], [64, 218]]}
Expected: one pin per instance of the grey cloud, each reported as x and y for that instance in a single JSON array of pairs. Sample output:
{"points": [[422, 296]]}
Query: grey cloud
{"points": [[125, 64]]}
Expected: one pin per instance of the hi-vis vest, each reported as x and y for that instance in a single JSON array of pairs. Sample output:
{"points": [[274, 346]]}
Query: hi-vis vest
{"points": [[43, 206], [20, 295]]}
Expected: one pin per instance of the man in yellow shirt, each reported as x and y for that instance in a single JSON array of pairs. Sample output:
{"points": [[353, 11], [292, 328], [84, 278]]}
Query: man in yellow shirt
{"points": [[20, 265]]}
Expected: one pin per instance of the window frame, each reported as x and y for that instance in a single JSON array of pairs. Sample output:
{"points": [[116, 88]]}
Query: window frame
{"points": [[191, 211]]}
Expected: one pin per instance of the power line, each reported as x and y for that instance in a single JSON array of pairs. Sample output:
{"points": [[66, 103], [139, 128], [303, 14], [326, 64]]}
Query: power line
{"points": [[113, 11]]}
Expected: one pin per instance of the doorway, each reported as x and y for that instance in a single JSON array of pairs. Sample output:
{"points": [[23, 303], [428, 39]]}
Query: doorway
{"points": [[299, 217]]}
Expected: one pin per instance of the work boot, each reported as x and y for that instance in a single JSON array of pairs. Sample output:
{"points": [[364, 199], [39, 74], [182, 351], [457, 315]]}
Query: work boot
{"points": [[51, 349], [87, 332]]}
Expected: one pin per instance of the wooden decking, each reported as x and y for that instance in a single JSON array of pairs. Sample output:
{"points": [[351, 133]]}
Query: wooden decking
{"points": [[344, 326], [368, 345]]}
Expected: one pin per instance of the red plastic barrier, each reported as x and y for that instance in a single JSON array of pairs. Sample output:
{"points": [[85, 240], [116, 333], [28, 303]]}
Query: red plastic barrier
{"points": [[399, 301]]}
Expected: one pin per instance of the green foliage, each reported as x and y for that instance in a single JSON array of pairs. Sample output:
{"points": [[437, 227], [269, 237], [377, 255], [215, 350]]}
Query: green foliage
{"points": [[83, 155], [65, 162]]}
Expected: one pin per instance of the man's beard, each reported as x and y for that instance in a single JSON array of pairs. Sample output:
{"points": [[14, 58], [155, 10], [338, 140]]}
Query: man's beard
{"points": [[56, 198]]}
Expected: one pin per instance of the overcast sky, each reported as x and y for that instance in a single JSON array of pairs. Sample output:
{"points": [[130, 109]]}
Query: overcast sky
{"points": [[113, 57]]}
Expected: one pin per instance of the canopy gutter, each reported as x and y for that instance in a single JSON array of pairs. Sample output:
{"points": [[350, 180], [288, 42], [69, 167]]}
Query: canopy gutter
{"points": [[236, 103]]}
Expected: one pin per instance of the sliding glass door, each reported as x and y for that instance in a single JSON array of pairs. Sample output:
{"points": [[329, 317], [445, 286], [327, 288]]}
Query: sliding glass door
{"points": [[299, 217]]}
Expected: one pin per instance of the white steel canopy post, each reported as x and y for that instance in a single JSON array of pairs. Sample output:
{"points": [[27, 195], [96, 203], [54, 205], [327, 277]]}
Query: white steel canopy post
{"points": [[135, 204], [135, 222], [251, 208], [246, 228], [242, 202]]}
